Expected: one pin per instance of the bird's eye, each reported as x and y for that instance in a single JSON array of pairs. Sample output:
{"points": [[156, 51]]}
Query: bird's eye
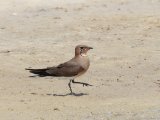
{"points": [[81, 48]]}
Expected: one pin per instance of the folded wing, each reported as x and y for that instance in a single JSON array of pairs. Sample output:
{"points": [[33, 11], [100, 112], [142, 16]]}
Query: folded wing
{"points": [[67, 69]]}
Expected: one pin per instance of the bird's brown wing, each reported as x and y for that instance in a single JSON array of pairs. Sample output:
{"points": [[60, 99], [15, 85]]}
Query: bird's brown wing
{"points": [[67, 69]]}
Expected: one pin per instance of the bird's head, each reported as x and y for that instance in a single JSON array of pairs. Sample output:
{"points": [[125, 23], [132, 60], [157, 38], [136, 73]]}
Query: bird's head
{"points": [[82, 50]]}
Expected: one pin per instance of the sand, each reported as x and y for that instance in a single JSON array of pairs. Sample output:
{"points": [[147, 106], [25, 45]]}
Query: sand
{"points": [[125, 61]]}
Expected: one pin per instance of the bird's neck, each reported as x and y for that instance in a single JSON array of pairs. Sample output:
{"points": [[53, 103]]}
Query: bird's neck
{"points": [[81, 55]]}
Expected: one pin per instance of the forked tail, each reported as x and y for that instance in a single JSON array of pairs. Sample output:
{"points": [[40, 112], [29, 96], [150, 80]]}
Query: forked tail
{"points": [[39, 72]]}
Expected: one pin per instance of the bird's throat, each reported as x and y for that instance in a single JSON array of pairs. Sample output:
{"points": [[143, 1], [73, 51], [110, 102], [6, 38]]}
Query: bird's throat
{"points": [[83, 55]]}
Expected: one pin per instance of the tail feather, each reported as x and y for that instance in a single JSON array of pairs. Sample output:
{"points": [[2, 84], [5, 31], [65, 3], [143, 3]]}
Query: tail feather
{"points": [[40, 72]]}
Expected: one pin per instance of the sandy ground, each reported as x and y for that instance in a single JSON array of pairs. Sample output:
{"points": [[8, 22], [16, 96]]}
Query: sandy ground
{"points": [[125, 62]]}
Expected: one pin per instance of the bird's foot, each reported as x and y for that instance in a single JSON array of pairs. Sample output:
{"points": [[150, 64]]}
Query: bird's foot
{"points": [[86, 84]]}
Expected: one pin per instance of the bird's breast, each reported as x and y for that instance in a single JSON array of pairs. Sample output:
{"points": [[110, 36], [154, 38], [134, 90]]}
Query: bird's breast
{"points": [[84, 61]]}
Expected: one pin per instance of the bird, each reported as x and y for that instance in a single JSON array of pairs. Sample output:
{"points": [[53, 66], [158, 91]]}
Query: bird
{"points": [[73, 68]]}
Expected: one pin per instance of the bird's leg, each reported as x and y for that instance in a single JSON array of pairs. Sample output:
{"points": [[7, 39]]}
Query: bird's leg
{"points": [[84, 84], [69, 84]]}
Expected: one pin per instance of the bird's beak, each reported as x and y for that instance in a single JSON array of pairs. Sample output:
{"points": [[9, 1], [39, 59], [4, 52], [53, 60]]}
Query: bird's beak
{"points": [[90, 47]]}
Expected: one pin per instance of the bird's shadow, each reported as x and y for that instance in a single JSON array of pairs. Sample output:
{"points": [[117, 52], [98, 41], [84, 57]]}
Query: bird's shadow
{"points": [[68, 94], [62, 95]]}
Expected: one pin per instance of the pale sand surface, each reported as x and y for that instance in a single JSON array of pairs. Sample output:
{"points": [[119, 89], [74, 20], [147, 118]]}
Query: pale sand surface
{"points": [[125, 61]]}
